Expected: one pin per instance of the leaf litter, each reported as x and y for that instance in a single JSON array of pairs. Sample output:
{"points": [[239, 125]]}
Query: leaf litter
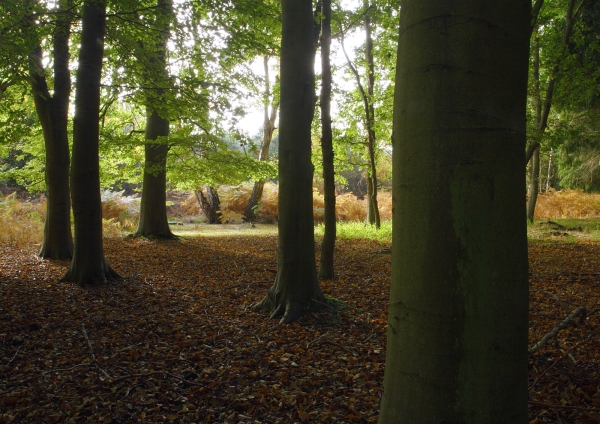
{"points": [[179, 341]]}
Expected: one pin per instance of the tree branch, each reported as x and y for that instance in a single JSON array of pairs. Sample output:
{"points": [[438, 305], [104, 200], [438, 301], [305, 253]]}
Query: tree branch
{"points": [[579, 311]]}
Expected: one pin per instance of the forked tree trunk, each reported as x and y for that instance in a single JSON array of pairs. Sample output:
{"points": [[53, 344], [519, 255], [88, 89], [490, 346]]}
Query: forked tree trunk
{"points": [[88, 266], [210, 204], [153, 208], [53, 114], [296, 289], [268, 129], [458, 315], [326, 269]]}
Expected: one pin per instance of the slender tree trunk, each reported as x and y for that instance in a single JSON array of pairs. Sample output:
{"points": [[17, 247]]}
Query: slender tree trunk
{"points": [[326, 269], [210, 204], [370, 110], [268, 130], [296, 289], [370, 205], [367, 96], [549, 174], [534, 185], [543, 112], [53, 114], [153, 208], [88, 266], [458, 316]]}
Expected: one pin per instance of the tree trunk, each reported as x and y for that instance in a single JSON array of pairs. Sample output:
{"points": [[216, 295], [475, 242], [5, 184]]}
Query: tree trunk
{"points": [[370, 205], [153, 208], [458, 318], [549, 173], [543, 111], [367, 96], [210, 204], [534, 185], [268, 129], [326, 270], [88, 266], [296, 289], [53, 114], [370, 111]]}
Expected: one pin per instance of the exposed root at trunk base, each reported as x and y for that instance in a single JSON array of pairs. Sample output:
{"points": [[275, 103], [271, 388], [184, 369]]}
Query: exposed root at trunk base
{"points": [[290, 310], [87, 278], [160, 236]]}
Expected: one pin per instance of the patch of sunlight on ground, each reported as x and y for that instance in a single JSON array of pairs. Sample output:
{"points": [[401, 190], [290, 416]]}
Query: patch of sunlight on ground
{"points": [[224, 230]]}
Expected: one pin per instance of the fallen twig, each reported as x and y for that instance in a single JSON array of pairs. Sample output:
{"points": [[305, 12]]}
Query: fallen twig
{"points": [[13, 358], [558, 299], [579, 311], [18, 383], [87, 339], [317, 339], [555, 362], [578, 408], [167, 374]]}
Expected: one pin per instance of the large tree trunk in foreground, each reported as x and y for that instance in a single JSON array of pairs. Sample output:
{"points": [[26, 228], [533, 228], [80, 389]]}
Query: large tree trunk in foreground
{"points": [[457, 325], [326, 270], [153, 208], [53, 114], [296, 289], [268, 129], [88, 267]]}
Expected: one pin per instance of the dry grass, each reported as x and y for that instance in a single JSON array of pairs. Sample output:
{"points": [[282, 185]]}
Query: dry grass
{"points": [[568, 204], [22, 222]]}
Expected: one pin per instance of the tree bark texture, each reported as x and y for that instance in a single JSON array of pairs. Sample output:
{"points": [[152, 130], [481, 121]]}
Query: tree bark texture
{"points": [[326, 269], [210, 204], [88, 266], [296, 289], [53, 115], [458, 318], [153, 208], [268, 129]]}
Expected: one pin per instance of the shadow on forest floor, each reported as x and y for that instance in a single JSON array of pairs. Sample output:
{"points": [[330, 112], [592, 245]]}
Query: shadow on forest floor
{"points": [[178, 340]]}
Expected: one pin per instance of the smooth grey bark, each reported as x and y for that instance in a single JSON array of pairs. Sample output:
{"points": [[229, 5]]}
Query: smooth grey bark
{"points": [[153, 207], [296, 289], [268, 130], [52, 111], [326, 268], [458, 316], [88, 266]]}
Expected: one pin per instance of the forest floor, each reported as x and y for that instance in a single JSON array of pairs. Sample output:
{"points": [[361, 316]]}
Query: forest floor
{"points": [[178, 340]]}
